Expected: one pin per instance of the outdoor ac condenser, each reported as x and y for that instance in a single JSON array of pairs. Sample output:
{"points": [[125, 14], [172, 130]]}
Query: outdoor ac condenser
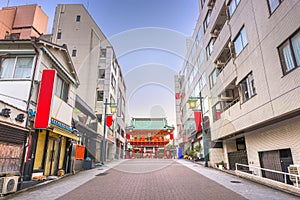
{"points": [[8, 184]]}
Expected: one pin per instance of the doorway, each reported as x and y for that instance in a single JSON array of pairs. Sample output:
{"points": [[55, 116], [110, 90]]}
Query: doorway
{"points": [[51, 157], [278, 160]]}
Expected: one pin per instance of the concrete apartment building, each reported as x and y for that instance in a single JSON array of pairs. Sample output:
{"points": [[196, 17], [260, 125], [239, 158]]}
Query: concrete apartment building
{"points": [[245, 59], [22, 22], [99, 72]]}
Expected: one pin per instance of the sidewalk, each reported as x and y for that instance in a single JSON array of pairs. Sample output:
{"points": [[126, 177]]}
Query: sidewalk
{"points": [[62, 185], [246, 188]]}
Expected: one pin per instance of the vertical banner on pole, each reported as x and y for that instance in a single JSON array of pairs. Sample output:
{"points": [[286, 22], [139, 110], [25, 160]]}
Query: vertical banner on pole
{"points": [[198, 120]]}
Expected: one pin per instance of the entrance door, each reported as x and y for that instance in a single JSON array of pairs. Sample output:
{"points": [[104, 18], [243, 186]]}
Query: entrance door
{"points": [[277, 160], [52, 157]]}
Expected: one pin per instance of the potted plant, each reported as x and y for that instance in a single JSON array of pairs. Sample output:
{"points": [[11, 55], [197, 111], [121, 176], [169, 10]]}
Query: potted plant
{"points": [[221, 165]]}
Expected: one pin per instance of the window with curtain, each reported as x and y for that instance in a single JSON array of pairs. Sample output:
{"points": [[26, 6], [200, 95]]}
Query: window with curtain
{"points": [[16, 67], [289, 53], [240, 41]]}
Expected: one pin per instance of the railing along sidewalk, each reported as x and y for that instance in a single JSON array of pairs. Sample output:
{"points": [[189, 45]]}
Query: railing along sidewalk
{"points": [[270, 170]]}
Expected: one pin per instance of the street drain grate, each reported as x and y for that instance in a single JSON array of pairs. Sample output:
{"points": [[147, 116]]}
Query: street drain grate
{"points": [[102, 174], [235, 181]]}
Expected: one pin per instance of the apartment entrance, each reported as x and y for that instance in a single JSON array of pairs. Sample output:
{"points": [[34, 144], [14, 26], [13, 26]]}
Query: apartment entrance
{"points": [[240, 155], [278, 160]]}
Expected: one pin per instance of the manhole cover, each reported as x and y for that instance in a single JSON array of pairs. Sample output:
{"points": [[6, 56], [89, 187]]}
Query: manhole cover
{"points": [[235, 181], [102, 174]]}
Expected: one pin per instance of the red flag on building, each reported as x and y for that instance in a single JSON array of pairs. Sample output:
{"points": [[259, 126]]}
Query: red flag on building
{"points": [[198, 120], [108, 120], [128, 136], [171, 136], [177, 95]]}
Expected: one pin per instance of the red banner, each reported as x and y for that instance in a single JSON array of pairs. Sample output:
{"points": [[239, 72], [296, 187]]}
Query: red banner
{"points": [[177, 95], [108, 120], [171, 136], [79, 155], [198, 120], [45, 99], [128, 136]]}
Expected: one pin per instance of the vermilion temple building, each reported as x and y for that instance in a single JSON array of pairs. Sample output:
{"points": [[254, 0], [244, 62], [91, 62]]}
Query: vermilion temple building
{"points": [[148, 138]]}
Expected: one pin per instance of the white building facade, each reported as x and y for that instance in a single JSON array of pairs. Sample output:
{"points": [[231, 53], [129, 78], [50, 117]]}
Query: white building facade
{"points": [[248, 54]]}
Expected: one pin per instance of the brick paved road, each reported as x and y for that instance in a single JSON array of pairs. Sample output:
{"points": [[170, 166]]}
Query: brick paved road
{"points": [[151, 179], [141, 179]]}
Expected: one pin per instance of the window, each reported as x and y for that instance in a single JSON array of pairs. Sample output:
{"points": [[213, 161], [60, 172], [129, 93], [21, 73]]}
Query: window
{"points": [[289, 53], [99, 117], [59, 35], [100, 95], [101, 73], [247, 88], [210, 47], [216, 109], [103, 53], [62, 89], [78, 18], [113, 81], [202, 3], [240, 41], [232, 6], [213, 77], [206, 20], [16, 67], [273, 4], [198, 37], [74, 53]]}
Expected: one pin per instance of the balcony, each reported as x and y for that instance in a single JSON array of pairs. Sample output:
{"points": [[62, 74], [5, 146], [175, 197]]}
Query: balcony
{"points": [[219, 19]]}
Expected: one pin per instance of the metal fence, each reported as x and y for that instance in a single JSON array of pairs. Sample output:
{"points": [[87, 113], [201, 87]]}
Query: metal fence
{"points": [[285, 174]]}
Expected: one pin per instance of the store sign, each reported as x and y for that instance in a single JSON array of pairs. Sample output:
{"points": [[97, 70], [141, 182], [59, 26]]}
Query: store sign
{"points": [[44, 99], [61, 125]]}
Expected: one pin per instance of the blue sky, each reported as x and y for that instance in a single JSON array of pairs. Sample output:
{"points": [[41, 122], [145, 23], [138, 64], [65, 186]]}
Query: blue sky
{"points": [[158, 28]]}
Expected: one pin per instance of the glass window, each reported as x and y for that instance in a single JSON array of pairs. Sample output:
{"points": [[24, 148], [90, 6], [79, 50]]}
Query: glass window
{"points": [[17, 67], [232, 6], [100, 95], [78, 18], [102, 53], [74, 52], [62, 89], [247, 88], [273, 4], [289, 53], [213, 77], [202, 3], [206, 20], [210, 47], [216, 109], [59, 35], [101, 73], [240, 41], [199, 37]]}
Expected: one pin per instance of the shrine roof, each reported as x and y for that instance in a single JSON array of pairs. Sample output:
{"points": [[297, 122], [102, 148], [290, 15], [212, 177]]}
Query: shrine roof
{"points": [[149, 124]]}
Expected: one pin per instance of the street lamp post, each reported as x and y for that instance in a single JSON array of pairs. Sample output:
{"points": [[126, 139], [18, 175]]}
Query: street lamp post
{"points": [[192, 104], [113, 110]]}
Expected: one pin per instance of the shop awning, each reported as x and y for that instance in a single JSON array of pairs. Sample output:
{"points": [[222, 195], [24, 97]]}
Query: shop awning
{"points": [[64, 133]]}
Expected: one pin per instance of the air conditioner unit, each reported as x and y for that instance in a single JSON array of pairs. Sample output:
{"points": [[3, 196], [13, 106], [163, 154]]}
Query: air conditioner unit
{"points": [[8, 184]]}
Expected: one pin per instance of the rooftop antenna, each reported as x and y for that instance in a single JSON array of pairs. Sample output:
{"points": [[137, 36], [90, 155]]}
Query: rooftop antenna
{"points": [[7, 3]]}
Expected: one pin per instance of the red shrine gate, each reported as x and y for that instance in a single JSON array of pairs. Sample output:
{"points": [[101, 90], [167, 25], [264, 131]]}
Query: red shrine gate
{"points": [[148, 137]]}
